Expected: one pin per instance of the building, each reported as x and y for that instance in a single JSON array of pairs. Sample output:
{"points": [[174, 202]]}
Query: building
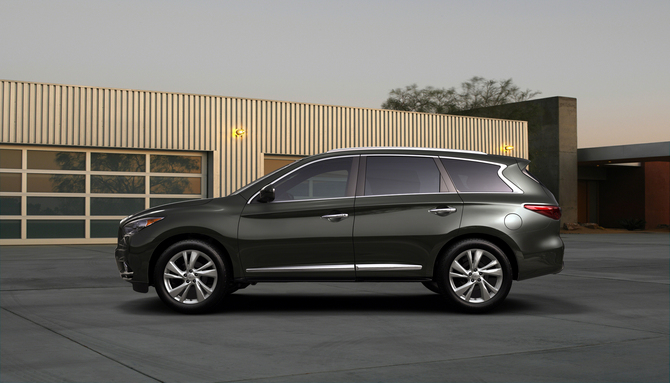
{"points": [[74, 160], [625, 185]]}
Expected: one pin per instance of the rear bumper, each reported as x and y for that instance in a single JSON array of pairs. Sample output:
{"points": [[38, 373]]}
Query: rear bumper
{"points": [[549, 261]]}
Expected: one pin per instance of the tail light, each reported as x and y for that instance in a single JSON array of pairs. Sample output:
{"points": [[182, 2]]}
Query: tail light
{"points": [[553, 212]]}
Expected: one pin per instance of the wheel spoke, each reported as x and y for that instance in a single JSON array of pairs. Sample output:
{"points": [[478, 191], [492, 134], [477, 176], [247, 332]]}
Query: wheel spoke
{"points": [[470, 259], [490, 286], [206, 265], [453, 274], [485, 292], [177, 290], [495, 272], [172, 276], [461, 289], [198, 292], [208, 273], [492, 264], [459, 268], [478, 257], [204, 287], [174, 268], [185, 293], [469, 293], [184, 256], [191, 263]]}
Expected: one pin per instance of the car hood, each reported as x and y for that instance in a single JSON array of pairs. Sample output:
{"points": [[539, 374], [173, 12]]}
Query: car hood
{"points": [[167, 207]]}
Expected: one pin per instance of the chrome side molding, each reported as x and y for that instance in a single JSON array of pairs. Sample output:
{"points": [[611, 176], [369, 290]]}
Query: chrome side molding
{"points": [[322, 268]]}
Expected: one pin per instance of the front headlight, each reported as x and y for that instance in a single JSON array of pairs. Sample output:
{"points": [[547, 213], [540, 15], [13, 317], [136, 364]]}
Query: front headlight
{"points": [[135, 226]]}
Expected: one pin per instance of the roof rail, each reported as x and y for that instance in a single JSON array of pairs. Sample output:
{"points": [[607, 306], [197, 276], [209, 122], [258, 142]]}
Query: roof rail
{"points": [[404, 148]]}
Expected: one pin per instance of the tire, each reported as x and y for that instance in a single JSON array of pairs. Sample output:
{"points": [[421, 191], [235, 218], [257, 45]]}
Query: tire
{"points": [[191, 277], [432, 286], [475, 275]]}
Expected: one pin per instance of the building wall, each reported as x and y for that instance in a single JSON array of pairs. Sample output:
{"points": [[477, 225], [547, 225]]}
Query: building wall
{"points": [[65, 115], [657, 193], [552, 144], [622, 195]]}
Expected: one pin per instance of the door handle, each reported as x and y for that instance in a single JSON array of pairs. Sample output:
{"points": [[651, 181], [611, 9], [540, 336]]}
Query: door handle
{"points": [[443, 211], [335, 217]]}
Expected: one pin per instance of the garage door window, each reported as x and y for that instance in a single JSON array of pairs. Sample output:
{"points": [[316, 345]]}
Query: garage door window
{"points": [[52, 193]]}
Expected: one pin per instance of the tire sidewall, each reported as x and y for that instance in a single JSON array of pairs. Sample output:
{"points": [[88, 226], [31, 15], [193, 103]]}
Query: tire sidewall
{"points": [[445, 265], [221, 284]]}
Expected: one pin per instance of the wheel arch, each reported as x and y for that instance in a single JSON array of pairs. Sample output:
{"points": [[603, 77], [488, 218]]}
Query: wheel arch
{"points": [[498, 239], [217, 245]]}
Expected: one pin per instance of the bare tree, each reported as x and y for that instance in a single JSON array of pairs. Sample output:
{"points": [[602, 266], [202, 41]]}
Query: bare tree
{"points": [[477, 92]]}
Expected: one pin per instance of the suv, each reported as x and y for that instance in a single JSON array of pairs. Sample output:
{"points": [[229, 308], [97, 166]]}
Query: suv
{"points": [[463, 223]]}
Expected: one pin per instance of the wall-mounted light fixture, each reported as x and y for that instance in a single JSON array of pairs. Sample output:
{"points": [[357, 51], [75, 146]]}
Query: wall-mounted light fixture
{"points": [[239, 132], [508, 148]]}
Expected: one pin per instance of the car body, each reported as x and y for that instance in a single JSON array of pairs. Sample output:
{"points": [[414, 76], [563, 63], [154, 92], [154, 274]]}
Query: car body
{"points": [[463, 223]]}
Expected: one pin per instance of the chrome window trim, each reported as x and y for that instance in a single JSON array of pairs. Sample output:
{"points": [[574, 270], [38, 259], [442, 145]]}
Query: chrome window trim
{"points": [[311, 199], [295, 170], [405, 194], [515, 189]]}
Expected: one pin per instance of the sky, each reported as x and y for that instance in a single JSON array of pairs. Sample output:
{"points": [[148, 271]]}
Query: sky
{"points": [[612, 56]]}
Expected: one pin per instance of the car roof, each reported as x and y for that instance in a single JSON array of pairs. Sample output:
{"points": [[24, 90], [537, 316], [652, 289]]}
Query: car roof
{"points": [[440, 152], [403, 148]]}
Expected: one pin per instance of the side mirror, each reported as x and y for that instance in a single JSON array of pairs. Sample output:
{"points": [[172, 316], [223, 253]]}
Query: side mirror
{"points": [[267, 194]]}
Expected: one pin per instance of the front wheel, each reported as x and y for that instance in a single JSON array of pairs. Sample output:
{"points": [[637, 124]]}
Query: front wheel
{"points": [[475, 275], [191, 277]]}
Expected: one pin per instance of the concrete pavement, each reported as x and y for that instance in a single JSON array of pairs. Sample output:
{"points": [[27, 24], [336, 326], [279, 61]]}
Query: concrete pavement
{"points": [[67, 316]]}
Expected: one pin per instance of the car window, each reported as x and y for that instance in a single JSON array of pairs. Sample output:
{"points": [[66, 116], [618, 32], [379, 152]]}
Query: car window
{"points": [[323, 179], [401, 175], [471, 176]]}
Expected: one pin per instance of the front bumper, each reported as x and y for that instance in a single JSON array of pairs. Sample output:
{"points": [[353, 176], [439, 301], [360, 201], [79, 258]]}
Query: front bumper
{"points": [[126, 272]]}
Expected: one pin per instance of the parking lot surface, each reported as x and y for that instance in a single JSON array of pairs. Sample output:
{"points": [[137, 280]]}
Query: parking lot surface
{"points": [[67, 316]]}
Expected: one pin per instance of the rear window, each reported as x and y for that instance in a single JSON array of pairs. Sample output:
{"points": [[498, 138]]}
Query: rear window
{"points": [[475, 177], [401, 175]]}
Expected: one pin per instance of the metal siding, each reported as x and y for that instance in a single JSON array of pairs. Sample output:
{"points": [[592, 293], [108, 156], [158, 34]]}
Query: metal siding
{"points": [[47, 114]]}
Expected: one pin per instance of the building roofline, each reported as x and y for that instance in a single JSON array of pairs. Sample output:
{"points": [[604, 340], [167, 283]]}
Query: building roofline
{"points": [[258, 99], [653, 151]]}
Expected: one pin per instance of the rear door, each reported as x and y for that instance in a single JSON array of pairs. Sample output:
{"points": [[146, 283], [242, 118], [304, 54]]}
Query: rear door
{"points": [[406, 210]]}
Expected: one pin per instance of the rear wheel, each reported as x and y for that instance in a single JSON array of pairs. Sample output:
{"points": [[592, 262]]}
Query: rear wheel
{"points": [[191, 277], [475, 275]]}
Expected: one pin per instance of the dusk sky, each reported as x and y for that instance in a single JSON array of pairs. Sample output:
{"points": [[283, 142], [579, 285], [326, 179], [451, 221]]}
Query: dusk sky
{"points": [[612, 56]]}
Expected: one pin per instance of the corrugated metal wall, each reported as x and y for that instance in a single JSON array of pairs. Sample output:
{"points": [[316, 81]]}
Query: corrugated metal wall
{"points": [[48, 114]]}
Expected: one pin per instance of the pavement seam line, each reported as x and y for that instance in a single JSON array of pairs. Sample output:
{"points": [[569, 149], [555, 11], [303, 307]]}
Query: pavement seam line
{"points": [[548, 350], [613, 279], [80, 344], [598, 324]]}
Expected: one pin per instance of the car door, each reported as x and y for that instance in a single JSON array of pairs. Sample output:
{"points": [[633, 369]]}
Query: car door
{"points": [[406, 210], [306, 231]]}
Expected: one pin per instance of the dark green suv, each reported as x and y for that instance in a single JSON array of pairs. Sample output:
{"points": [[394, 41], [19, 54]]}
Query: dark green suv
{"points": [[463, 223]]}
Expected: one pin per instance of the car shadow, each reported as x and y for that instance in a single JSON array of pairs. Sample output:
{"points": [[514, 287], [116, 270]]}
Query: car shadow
{"points": [[333, 304]]}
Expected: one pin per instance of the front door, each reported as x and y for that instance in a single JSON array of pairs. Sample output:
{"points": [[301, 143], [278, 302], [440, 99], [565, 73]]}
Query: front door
{"points": [[306, 232]]}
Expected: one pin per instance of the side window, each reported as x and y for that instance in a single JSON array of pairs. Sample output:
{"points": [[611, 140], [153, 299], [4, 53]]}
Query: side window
{"points": [[401, 175], [323, 179], [471, 176]]}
